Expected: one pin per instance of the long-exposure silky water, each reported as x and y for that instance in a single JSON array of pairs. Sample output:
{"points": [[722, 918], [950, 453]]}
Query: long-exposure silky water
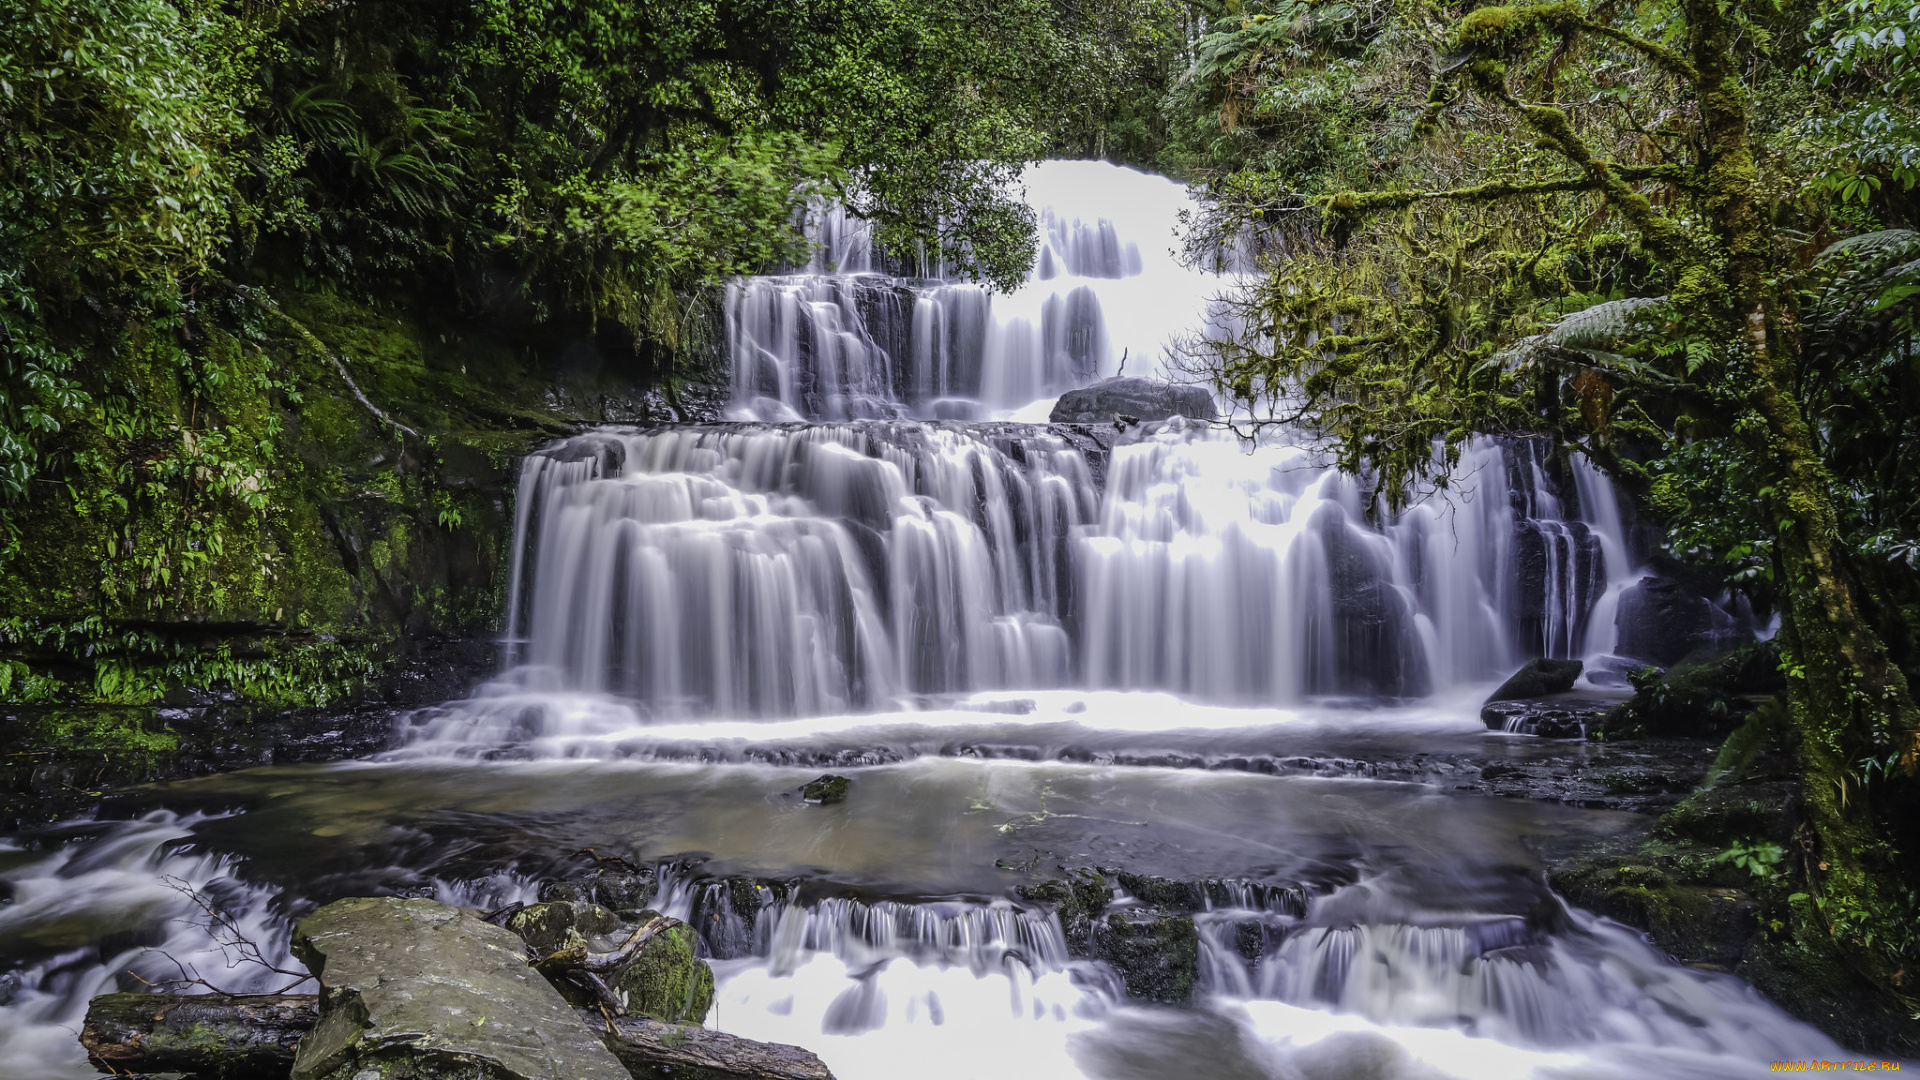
{"points": [[1159, 649]]}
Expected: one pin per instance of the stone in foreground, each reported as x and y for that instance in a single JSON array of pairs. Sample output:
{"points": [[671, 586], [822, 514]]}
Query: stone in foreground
{"points": [[418, 990], [648, 1047], [1142, 399]]}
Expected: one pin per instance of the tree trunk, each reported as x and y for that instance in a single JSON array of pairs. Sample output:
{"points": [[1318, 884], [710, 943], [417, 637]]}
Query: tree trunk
{"points": [[1847, 698]]}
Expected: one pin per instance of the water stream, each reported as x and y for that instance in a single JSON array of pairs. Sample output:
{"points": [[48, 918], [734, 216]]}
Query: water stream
{"points": [[1032, 647]]}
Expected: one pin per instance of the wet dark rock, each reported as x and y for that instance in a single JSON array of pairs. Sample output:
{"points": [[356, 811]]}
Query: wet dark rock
{"points": [[1706, 911], [625, 892], [50, 769], [727, 913], [419, 989], [1206, 894], [1555, 559], [1142, 399], [1561, 716], [1539, 678], [826, 790], [1157, 954], [1376, 650], [1661, 620]]}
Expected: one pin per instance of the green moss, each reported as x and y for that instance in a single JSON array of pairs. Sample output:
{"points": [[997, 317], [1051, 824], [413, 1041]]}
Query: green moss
{"points": [[668, 981]]}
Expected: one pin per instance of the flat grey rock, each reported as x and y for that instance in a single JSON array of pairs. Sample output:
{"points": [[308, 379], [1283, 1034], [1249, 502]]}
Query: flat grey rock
{"points": [[419, 990], [1141, 399]]}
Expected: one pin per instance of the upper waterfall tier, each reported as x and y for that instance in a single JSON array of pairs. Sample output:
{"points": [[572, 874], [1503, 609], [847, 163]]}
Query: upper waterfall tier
{"points": [[779, 570], [857, 336]]}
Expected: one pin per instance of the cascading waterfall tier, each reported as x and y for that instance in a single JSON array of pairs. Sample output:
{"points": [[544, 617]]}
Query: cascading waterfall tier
{"points": [[796, 569], [842, 552], [850, 336]]}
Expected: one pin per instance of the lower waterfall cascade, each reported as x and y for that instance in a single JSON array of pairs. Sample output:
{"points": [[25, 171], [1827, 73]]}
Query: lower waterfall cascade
{"points": [[1155, 649]]}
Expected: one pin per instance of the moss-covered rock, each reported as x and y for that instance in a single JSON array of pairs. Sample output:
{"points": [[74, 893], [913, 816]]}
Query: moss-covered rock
{"points": [[555, 925], [1156, 953], [668, 980], [826, 790], [1703, 697], [1078, 899], [1720, 882]]}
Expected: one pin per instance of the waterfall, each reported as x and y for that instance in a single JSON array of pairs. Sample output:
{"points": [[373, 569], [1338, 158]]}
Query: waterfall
{"points": [[850, 337], [859, 539]]}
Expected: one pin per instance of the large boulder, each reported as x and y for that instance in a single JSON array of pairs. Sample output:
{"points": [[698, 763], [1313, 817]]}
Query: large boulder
{"points": [[1661, 620], [1143, 399], [414, 989], [1538, 679]]}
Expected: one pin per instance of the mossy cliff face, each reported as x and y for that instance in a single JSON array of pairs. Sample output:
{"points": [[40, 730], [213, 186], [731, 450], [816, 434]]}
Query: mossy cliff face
{"points": [[280, 498]]}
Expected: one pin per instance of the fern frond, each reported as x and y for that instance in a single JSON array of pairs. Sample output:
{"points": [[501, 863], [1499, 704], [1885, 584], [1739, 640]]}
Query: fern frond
{"points": [[1606, 326], [1887, 243]]}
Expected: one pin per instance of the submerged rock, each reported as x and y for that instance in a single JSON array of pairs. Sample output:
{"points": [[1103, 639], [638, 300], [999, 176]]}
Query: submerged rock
{"points": [[1142, 399], [826, 790], [420, 990], [1538, 679]]}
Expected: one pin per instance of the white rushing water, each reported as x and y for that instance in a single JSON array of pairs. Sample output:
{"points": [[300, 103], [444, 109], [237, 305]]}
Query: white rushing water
{"points": [[843, 340]]}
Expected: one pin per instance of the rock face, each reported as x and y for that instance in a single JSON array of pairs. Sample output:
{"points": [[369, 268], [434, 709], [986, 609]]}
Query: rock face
{"points": [[1538, 679], [1556, 559], [1142, 399], [418, 990], [1661, 620]]}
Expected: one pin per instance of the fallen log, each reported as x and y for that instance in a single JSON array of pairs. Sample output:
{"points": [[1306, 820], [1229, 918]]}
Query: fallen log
{"points": [[214, 1035], [251, 1037], [649, 1048]]}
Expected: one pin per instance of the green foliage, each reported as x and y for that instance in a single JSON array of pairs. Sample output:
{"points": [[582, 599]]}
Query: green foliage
{"points": [[1868, 56], [1761, 858], [241, 246]]}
